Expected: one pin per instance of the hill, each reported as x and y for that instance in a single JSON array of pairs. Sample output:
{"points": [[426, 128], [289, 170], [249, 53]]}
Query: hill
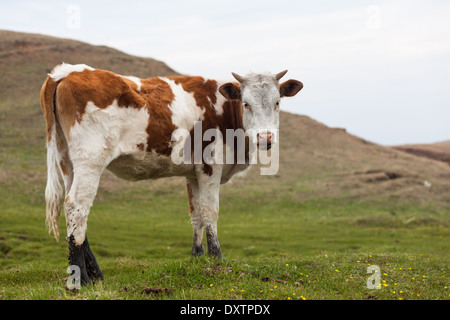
{"points": [[326, 162], [437, 151]]}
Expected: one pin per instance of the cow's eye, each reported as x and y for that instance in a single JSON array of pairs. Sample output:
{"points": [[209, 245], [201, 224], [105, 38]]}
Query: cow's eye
{"points": [[247, 106], [277, 104]]}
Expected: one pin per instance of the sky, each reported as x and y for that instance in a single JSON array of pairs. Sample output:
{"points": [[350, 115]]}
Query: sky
{"points": [[379, 69]]}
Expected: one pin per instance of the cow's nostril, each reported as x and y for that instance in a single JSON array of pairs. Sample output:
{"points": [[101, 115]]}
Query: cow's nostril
{"points": [[267, 137]]}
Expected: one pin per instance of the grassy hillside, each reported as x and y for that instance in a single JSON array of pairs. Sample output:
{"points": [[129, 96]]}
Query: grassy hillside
{"points": [[439, 151], [337, 204]]}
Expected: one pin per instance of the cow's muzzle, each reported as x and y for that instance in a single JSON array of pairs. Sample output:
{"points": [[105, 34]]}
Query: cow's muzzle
{"points": [[265, 140]]}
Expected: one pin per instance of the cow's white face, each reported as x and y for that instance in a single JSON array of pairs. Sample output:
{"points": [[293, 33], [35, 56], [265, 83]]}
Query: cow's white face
{"points": [[260, 95]]}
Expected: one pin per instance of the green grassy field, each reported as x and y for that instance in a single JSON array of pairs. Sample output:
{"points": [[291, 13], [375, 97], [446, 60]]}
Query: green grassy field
{"points": [[338, 205], [275, 249]]}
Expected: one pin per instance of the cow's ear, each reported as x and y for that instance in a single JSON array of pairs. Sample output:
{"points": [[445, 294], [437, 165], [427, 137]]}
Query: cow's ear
{"points": [[231, 91], [290, 88]]}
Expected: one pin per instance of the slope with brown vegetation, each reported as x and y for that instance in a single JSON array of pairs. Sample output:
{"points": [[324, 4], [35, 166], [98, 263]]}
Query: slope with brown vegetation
{"points": [[315, 160], [438, 151], [333, 163]]}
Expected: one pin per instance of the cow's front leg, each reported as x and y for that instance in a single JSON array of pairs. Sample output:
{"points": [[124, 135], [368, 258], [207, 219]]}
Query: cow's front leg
{"points": [[196, 217], [209, 186]]}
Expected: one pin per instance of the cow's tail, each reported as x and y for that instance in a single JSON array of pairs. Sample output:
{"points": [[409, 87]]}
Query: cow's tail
{"points": [[53, 190]]}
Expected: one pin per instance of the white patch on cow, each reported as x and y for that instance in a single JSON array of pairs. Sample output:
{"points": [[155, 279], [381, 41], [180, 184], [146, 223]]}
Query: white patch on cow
{"points": [[185, 110], [135, 80], [112, 131], [218, 106], [61, 71]]}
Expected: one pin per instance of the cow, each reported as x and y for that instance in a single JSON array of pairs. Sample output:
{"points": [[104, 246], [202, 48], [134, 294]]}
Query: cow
{"points": [[97, 120]]}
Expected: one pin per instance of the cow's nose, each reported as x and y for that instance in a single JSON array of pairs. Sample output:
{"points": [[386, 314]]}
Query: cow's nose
{"points": [[265, 137]]}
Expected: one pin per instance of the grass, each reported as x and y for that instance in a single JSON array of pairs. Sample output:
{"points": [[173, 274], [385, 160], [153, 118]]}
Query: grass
{"points": [[275, 248], [314, 277]]}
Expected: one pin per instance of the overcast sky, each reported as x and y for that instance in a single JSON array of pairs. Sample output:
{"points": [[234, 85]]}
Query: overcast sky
{"points": [[380, 69]]}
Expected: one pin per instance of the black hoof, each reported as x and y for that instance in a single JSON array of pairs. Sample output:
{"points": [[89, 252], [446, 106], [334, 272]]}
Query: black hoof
{"points": [[197, 250], [82, 257], [213, 246], [92, 268], [76, 259]]}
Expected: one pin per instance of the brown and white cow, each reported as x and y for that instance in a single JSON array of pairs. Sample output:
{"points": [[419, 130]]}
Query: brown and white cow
{"points": [[99, 120]]}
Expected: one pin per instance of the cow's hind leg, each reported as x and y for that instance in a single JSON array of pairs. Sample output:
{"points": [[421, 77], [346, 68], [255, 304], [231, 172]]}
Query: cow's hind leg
{"points": [[77, 206], [77, 255]]}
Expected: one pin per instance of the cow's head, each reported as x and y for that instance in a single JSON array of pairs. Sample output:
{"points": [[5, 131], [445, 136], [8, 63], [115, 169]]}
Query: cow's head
{"points": [[260, 96]]}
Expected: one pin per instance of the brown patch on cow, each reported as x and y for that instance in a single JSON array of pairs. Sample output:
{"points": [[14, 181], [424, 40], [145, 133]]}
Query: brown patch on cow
{"points": [[61, 145], [204, 91], [191, 205], [207, 169], [233, 115], [141, 146], [205, 94], [47, 104], [63, 166], [231, 118], [97, 86], [159, 96]]}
